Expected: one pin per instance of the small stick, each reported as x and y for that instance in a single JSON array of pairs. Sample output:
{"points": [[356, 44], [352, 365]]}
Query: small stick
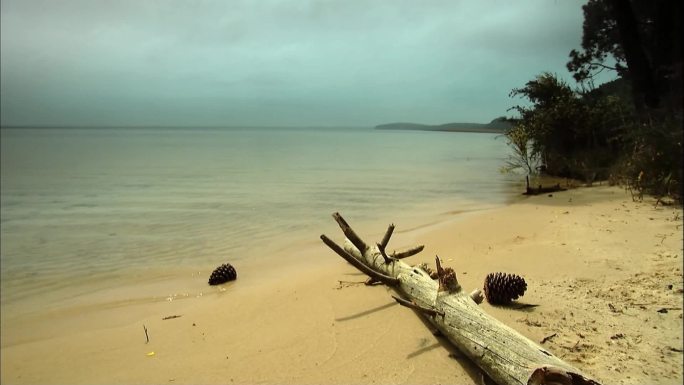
{"points": [[343, 284], [350, 234], [147, 337], [372, 282], [388, 234], [383, 253], [430, 312], [171, 317], [386, 279], [408, 252], [477, 296], [575, 345], [547, 338], [440, 274]]}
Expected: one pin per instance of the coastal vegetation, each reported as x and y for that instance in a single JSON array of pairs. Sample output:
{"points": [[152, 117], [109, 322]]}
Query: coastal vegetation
{"points": [[628, 131]]}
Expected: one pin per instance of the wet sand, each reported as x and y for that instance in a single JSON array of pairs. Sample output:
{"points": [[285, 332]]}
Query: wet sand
{"points": [[604, 272]]}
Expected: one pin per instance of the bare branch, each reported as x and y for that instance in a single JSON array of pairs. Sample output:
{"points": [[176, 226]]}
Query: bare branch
{"points": [[383, 253], [430, 312], [603, 66], [438, 263], [408, 252], [388, 234], [386, 279], [350, 234]]}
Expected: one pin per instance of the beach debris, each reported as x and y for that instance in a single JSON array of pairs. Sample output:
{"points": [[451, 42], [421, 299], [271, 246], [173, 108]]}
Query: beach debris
{"points": [[451, 310], [147, 336], [426, 268], [477, 296], [502, 288], [171, 317], [530, 322], [223, 274], [547, 338], [371, 282], [150, 354], [541, 189], [410, 304], [617, 336], [664, 310], [343, 284], [447, 278]]}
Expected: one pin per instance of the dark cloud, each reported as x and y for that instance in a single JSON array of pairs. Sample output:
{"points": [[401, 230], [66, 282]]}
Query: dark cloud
{"points": [[287, 62]]}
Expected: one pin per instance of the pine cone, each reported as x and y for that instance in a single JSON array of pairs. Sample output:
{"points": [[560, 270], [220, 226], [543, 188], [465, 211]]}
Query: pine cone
{"points": [[449, 281], [222, 274], [502, 288], [426, 268]]}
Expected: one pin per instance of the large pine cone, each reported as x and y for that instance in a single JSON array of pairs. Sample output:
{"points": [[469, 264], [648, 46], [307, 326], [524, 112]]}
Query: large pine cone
{"points": [[502, 288], [222, 274]]}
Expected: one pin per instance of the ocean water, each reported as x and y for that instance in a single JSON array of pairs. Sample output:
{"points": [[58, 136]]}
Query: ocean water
{"points": [[88, 206]]}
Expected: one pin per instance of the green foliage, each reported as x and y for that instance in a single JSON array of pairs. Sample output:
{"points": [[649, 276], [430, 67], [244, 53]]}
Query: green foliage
{"points": [[628, 130], [652, 161], [571, 134], [603, 48], [595, 135], [523, 157], [639, 39], [600, 44]]}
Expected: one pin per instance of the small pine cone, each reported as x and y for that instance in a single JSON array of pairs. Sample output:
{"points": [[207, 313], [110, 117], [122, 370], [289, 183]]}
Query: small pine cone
{"points": [[449, 281], [222, 274], [502, 288], [426, 268]]}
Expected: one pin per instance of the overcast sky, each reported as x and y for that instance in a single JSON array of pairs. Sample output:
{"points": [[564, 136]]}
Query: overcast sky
{"points": [[275, 62]]}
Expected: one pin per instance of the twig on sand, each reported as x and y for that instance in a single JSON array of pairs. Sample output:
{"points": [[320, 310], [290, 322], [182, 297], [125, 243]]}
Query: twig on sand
{"points": [[171, 317], [343, 284], [147, 337], [547, 338]]}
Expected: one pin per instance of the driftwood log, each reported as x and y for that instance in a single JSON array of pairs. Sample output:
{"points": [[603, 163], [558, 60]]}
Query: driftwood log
{"points": [[505, 355], [540, 189]]}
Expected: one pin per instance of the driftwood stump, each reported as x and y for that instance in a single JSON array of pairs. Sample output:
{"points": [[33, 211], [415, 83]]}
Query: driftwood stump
{"points": [[540, 189], [505, 355]]}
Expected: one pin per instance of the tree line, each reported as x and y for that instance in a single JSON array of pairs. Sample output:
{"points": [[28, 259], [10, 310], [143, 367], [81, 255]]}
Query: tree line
{"points": [[628, 131]]}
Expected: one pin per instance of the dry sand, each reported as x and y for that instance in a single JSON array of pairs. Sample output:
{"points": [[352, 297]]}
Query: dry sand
{"points": [[605, 272]]}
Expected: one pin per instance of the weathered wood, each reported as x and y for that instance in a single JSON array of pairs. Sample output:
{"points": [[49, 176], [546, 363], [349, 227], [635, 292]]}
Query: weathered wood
{"points": [[505, 355], [541, 189], [358, 264]]}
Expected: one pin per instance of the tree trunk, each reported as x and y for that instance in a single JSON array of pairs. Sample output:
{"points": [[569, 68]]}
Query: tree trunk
{"points": [[506, 356], [640, 69]]}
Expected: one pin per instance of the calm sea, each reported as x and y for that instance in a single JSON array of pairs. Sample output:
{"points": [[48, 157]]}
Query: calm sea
{"points": [[84, 206]]}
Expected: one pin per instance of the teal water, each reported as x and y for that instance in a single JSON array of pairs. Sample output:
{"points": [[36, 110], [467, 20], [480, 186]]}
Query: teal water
{"points": [[79, 203]]}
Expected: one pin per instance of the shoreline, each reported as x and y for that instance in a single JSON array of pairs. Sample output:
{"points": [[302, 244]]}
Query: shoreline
{"points": [[579, 250]]}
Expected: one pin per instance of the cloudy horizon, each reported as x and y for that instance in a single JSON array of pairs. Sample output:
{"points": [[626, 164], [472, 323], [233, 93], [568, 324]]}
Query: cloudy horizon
{"points": [[275, 63]]}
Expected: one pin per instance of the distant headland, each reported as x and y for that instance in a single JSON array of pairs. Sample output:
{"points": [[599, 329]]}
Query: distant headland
{"points": [[496, 126]]}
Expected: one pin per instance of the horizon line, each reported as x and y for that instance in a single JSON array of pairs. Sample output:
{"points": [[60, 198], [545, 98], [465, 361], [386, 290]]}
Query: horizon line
{"points": [[88, 126]]}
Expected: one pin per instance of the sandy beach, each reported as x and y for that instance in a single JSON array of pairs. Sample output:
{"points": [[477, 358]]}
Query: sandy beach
{"points": [[605, 273]]}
